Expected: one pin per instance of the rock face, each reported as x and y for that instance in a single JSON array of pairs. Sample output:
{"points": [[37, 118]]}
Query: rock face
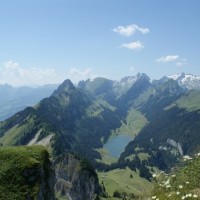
{"points": [[26, 173], [176, 145], [75, 179]]}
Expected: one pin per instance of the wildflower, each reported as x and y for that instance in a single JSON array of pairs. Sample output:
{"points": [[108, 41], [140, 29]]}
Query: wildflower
{"points": [[183, 197], [188, 195], [187, 182], [180, 186], [198, 154], [178, 193], [154, 175], [168, 186], [186, 157], [167, 182], [195, 196], [173, 175], [153, 197]]}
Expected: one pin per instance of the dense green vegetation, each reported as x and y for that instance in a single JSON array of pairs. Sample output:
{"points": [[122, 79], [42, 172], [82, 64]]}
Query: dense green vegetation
{"points": [[181, 183], [22, 170], [176, 124], [166, 122]]}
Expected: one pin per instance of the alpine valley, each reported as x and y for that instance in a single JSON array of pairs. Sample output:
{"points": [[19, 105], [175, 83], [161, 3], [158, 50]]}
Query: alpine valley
{"points": [[107, 138]]}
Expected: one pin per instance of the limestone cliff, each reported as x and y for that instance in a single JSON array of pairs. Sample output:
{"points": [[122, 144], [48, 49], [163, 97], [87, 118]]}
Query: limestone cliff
{"points": [[75, 179], [26, 173]]}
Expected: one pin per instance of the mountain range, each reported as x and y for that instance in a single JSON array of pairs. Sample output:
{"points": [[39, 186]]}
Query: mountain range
{"points": [[188, 81], [161, 116]]}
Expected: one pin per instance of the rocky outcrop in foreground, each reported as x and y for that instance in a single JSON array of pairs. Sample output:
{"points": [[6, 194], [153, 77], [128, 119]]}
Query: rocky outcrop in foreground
{"points": [[26, 173], [76, 179]]}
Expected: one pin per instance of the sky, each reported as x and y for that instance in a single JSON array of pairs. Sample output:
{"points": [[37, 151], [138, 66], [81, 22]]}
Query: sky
{"points": [[48, 41]]}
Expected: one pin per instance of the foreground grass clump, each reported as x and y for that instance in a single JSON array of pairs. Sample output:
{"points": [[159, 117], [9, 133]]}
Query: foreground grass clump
{"points": [[183, 183], [22, 171]]}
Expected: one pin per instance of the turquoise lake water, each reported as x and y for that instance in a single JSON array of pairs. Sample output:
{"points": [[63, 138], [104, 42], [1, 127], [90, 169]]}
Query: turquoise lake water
{"points": [[116, 145]]}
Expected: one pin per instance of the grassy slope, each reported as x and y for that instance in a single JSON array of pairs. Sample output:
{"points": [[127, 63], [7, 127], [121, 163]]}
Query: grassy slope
{"points": [[97, 107], [134, 122], [16, 132], [183, 181], [120, 180], [189, 101], [13, 163]]}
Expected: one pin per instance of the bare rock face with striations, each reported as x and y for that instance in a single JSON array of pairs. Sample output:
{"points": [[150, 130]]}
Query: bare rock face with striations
{"points": [[75, 179]]}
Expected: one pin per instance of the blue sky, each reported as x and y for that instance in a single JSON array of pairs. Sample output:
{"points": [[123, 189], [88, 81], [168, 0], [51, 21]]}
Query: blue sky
{"points": [[47, 41]]}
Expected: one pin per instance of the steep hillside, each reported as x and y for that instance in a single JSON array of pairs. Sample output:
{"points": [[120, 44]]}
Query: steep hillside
{"points": [[173, 128], [181, 183], [67, 120], [14, 99], [76, 179], [26, 173], [190, 101]]}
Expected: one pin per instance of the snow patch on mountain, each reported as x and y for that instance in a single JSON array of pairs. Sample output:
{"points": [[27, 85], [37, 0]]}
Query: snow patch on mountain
{"points": [[188, 81], [122, 86]]}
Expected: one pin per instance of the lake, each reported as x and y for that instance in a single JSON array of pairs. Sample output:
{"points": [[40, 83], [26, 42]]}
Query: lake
{"points": [[116, 145]]}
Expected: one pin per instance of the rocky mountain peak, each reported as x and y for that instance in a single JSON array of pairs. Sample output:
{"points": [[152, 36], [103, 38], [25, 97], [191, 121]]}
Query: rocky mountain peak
{"points": [[171, 87], [66, 86], [142, 76], [130, 80], [188, 81]]}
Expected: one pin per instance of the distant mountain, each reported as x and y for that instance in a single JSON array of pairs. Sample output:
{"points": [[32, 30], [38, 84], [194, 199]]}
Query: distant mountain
{"points": [[15, 99], [108, 89], [188, 81]]}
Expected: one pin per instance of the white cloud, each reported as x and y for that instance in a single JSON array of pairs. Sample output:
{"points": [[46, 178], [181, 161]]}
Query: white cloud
{"points": [[169, 58], [181, 63], [130, 30], [13, 74], [133, 45], [11, 65], [77, 75]]}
